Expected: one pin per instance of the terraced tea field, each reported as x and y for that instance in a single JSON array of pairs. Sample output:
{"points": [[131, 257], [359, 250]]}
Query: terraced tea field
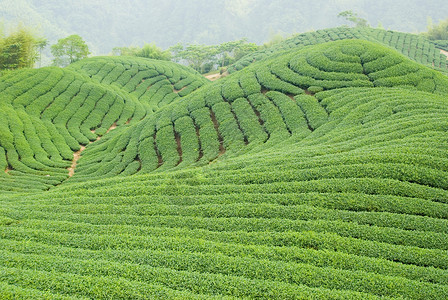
{"points": [[320, 172], [415, 47]]}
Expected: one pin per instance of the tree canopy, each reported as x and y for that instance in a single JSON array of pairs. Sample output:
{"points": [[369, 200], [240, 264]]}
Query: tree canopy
{"points": [[203, 58], [148, 51], [439, 31], [353, 17], [20, 49], [69, 50]]}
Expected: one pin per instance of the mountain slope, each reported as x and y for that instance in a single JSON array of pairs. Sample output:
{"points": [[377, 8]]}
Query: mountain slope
{"points": [[358, 213], [321, 172], [255, 108], [49, 113], [415, 47]]}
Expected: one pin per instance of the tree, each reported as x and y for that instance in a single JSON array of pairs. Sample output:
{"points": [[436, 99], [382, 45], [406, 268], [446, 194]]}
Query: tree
{"points": [[244, 49], [204, 58], [175, 50], [125, 51], [274, 38], [437, 32], [69, 50], [198, 55], [41, 44], [153, 52], [147, 51], [19, 49], [353, 17]]}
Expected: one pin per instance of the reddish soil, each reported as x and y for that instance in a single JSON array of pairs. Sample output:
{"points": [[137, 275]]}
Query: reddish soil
{"points": [[7, 170], [179, 146], [177, 91], [77, 154], [112, 127], [309, 93], [213, 77], [159, 156], [444, 53], [222, 150]]}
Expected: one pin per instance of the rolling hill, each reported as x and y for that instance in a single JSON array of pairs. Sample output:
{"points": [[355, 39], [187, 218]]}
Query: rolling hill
{"points": [[414, 46], [317, 172]]}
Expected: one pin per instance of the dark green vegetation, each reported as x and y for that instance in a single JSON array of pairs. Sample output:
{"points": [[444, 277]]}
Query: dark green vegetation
{"points": [[318, 172], [438, 31], [19, 49], [417, 48]]}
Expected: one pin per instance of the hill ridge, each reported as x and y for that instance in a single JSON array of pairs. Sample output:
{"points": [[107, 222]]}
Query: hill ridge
{"points": [[320, 172], [413, 46]]}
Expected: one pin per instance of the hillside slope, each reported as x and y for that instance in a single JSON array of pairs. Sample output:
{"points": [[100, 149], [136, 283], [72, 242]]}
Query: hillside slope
{"points": [[254, 109], [415, 47], [318, 173], [50, 113]]}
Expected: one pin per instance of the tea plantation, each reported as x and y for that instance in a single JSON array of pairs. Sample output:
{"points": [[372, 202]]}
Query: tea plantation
{"points": [[319, 172], [416, 47]]}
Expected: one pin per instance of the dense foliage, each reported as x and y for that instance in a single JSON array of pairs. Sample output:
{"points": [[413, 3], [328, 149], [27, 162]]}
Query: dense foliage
{"points": [[319, 172], [147, 51], [439, 31], [69, 50], [20, 49]]}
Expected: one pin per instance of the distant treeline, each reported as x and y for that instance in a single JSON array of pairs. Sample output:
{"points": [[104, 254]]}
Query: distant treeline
{"points": [[202, 58], [23, 48], [20, 49]]}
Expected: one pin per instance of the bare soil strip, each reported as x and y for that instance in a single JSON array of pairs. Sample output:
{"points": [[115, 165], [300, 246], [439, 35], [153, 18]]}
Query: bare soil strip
{"points": [[222, 150], [112, 127], [214, 77], [178, 91], [156, 149], [201, 152], [292, 98], [444, 53], [77, 154], [179, 146]]}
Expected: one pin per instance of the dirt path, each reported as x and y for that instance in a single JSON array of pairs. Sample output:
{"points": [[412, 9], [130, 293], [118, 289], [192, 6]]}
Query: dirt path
{"points": [[77, 154], [444, 53], [178, 91], [111, 128], [222, 150], [213, 77], [7, 170]]}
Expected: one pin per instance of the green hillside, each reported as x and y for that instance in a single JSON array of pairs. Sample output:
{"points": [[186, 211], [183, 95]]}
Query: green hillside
{"points": [[415, 47], [49, 113], [320, 172]]}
